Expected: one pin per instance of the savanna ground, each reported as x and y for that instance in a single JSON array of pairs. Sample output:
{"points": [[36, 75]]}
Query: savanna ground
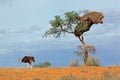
{"points": [[58, 73]]}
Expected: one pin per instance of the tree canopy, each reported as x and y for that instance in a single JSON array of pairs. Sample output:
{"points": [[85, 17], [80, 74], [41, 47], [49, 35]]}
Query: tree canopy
{"points": [[64, 25]]}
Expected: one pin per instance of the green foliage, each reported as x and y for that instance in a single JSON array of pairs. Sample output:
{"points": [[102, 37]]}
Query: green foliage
{"points": [[82, 27], [63, 25], [44, 64], [71, 18], [57, 22]]}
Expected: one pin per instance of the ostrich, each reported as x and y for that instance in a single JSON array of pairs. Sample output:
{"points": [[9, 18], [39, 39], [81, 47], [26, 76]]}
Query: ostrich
{"points": [[29, 60]]}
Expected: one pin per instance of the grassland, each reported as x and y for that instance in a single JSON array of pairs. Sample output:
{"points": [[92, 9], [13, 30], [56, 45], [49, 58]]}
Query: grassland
{"points": [[58, 73]]}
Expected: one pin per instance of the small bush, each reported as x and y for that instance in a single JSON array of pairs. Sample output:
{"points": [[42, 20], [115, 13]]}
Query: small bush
{"points": [[44, 64], [74, 63], [92, 61]]}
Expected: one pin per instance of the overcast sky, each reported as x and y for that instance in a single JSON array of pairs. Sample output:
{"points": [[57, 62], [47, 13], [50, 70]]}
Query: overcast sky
{"points": [[23, 22]]}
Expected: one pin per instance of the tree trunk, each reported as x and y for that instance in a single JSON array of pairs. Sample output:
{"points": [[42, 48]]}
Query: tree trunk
{"points": [[85, 50]]}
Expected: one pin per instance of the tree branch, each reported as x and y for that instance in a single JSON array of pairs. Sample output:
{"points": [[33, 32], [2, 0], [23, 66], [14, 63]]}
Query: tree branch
{"points": [[66, 30], [81, 38]]}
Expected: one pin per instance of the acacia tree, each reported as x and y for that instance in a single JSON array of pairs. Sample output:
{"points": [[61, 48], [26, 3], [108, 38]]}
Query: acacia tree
{"points": [[71, 23]]}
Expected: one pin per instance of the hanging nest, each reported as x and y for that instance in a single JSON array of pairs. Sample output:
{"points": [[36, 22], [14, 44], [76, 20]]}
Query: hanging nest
{"points": [[86, 21]]}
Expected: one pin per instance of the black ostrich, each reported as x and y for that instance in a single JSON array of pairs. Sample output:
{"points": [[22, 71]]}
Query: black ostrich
{"points": [[29, 60]]}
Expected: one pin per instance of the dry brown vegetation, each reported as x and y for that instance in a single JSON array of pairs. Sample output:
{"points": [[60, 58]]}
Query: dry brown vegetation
{"points": [[69, 73]]}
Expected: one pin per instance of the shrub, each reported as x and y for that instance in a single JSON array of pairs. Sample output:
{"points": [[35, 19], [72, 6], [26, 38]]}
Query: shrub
{"points": [[74, 63], [92, 61], [44, 64]]}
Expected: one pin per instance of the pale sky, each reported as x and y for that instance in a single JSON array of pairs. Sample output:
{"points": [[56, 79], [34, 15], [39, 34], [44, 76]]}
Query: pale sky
{"points": [[23, 22]]}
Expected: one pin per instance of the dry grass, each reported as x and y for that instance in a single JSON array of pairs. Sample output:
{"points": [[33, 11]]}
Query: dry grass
{"points": [[70, 73]]}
